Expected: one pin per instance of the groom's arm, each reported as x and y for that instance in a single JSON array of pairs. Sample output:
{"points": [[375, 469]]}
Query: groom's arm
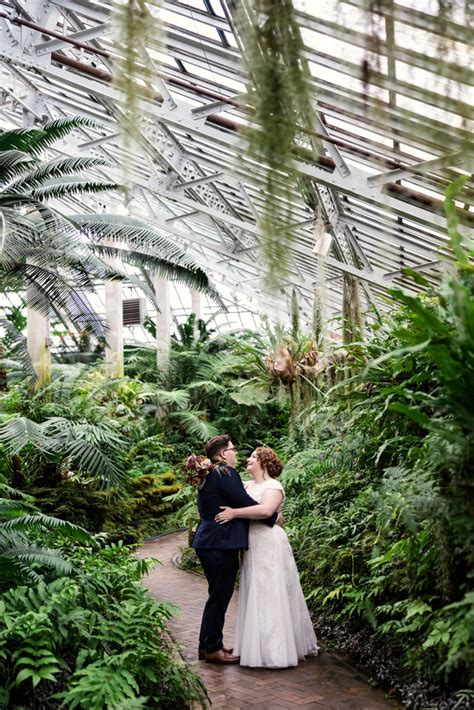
{"points": [[235, 493]]}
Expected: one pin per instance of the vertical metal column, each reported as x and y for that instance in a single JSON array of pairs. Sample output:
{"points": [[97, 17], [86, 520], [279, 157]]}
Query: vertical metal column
{"points": [[38, 342], [114, 336], [196, 308], [163, 323]]}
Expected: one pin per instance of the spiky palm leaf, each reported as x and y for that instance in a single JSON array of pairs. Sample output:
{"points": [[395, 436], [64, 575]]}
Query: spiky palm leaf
{"points": [[19, 348], [13, 163], [193, 422], [58, 168], [55, 189], [178, 397], [34, 141], [38, 521], [190, 276], [51, 288], [146, 248], [213, 368], [60, 256], [17, 432], [207, 386], [95, 449], [18, 557]]}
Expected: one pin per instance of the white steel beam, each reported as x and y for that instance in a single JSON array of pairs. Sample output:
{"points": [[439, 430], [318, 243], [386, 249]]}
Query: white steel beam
{"points": [[462, 158]]}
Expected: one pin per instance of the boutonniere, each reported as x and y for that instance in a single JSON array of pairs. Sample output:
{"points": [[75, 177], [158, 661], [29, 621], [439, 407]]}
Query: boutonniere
{"points": [[223, 470]]}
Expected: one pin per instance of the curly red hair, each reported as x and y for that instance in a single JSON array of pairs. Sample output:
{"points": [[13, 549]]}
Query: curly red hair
{"points": [[269, 461]]}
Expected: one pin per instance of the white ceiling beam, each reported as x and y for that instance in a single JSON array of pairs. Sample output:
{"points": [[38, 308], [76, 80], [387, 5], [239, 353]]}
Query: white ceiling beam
{"points": [[462, 158], [53, 45]]}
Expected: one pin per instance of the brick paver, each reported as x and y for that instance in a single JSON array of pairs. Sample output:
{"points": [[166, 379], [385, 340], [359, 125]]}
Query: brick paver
{"points": [[321, 682]]}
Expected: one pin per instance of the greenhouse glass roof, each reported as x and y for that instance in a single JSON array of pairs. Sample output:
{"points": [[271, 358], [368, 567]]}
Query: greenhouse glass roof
{"points": [[392, 95]]}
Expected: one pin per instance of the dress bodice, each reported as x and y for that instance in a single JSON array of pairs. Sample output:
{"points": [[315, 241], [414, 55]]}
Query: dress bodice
{"points": [[256, 490]]}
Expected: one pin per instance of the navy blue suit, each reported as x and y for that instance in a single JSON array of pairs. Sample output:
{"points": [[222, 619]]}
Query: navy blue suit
{"points": [[217, 547]]}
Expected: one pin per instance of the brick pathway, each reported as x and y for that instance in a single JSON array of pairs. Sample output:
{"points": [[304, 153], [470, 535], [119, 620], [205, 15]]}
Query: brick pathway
{"points": [[322, 682]]}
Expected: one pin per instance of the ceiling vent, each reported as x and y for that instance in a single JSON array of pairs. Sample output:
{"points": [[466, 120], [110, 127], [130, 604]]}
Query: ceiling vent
{"points": [[134, 311]]}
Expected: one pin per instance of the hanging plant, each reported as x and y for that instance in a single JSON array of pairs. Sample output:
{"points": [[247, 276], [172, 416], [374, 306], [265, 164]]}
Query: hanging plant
{"points": [[280, 113], [304, 371], [140, 28]]}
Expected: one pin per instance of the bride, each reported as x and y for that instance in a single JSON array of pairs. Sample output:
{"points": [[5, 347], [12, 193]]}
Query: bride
{"points": [[274, 629]]}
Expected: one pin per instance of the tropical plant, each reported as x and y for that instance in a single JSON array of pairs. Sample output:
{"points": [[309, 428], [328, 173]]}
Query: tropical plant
{"points": [[94, 449], [381, 519], [57, 258], [20, 557], [94, 640]]}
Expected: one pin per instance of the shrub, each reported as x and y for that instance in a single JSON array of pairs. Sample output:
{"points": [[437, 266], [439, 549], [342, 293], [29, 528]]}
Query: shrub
{"points": [[93, 640]]}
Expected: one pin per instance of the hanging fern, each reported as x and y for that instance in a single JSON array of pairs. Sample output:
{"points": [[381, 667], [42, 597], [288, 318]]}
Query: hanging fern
{"points": [[140, 28], [281, 111]]}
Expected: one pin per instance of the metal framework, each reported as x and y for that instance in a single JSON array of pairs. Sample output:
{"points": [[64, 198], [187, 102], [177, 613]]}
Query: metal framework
{"points": [[392, 124]]}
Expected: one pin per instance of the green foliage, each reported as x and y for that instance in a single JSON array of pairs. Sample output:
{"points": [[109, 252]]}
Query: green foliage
{"points": [[91, 448], [20, 521], [381, 511], [57, 259], [93, 640], [139, 509], [279, 87]]}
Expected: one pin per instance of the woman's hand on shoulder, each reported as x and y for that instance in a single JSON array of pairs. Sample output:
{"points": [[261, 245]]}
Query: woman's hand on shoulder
{"points": [[226, 515]]}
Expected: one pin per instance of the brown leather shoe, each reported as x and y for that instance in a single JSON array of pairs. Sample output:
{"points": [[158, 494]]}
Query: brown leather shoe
{"points": [[221, 657], [201, 652]]}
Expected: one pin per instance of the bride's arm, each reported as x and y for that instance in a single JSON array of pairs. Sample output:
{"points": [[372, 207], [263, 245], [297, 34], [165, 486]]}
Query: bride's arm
{"points": [[270, 502]]}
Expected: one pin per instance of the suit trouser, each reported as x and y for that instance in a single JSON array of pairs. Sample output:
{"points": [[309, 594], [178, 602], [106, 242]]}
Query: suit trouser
{"points": [[220, 568]]}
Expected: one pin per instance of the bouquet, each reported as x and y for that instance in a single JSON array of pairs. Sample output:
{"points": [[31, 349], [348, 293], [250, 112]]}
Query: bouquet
{"points": [[197, 469]]}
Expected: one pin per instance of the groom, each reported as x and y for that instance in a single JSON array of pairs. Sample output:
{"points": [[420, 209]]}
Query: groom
{"points": [[217, 546]]}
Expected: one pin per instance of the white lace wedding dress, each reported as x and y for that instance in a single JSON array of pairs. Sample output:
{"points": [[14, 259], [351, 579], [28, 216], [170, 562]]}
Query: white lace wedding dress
{"points": [[274, 629]]}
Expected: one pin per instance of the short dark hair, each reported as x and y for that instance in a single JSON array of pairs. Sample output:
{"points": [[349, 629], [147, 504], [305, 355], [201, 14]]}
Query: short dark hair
{"points": [[215, 445]]}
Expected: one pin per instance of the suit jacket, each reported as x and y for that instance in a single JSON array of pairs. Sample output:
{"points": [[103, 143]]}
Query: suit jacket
{"points": [[223, 486]]}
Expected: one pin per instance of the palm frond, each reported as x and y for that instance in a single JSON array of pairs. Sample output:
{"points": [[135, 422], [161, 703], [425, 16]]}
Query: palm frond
{"points": [[12, 509], [34, 140], [51, 287], [21, 139], [17, 555], [137, 235], [14, 493], [18, 234], [213, 368], [190, 276], [193, 422], [12, 164], [96, 449], [54, 189], [207, 386], [19, 347], [179, 398], [17, 432], [55, 169], [38, 521]]}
